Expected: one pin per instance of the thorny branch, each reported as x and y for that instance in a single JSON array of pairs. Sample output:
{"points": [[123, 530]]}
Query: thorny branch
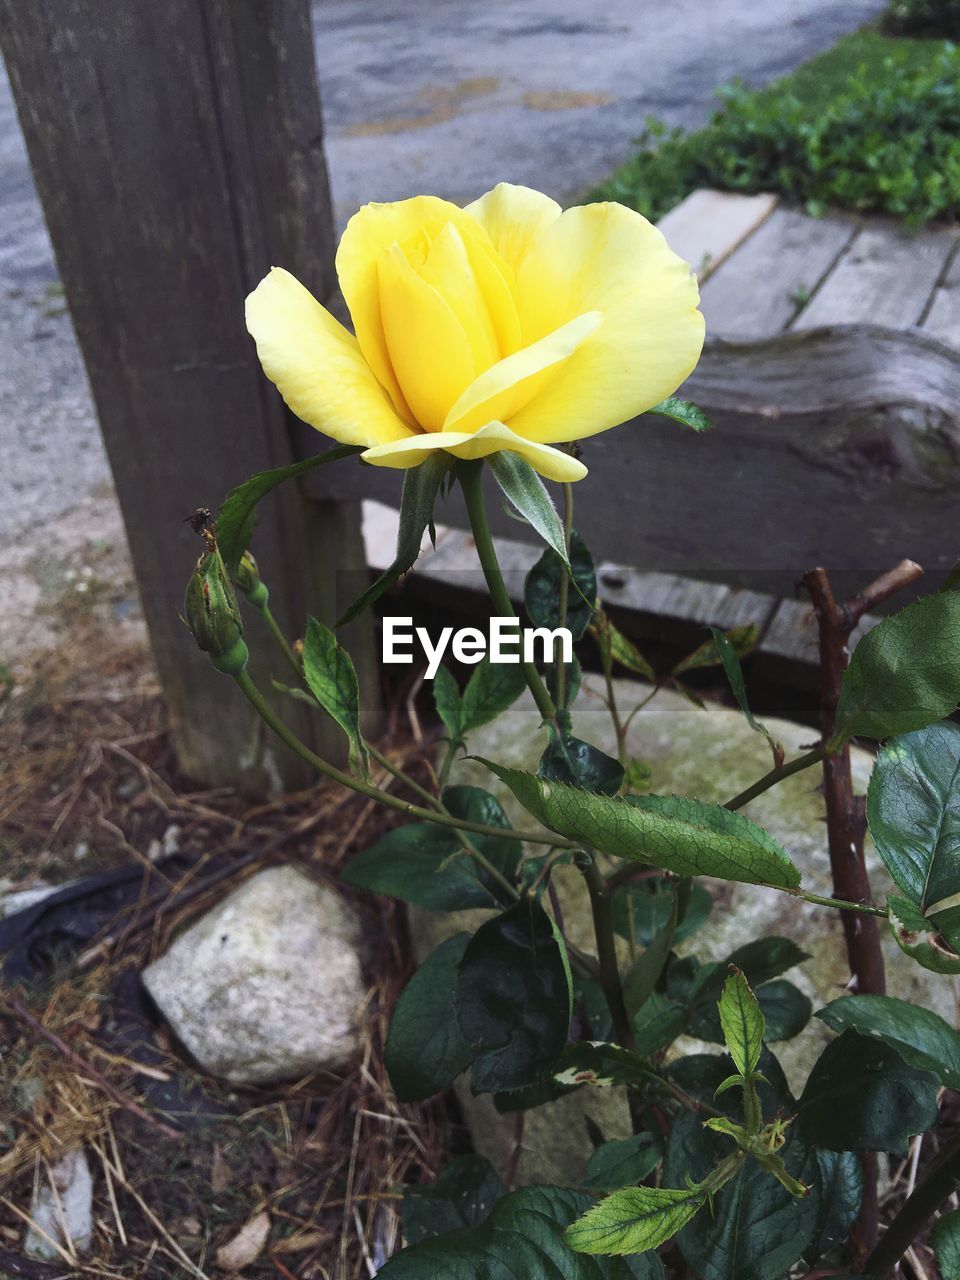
{"points": [[846, 813]]}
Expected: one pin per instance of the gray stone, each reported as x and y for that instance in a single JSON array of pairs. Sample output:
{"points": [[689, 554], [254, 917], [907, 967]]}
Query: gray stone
{"points": [[62, 1210], [267, 985], [710, 755]]}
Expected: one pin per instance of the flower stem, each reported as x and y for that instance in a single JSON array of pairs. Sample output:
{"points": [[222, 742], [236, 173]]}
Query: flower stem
{"points": [[602, 910], [273, 722], [564, 600], [471, 481], [841, 904], [774, 776], [282, 643]]}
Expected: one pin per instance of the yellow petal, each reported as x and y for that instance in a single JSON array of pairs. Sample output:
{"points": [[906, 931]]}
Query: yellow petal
{"points": [[317, 365], [429, 350], [514, 217], [448, 269], [495, 437], [502, 390], [373, 229], [498, 287], [606, 258]]}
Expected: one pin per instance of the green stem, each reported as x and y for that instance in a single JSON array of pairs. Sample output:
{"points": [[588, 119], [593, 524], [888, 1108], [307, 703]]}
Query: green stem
{"points": [[640, 705], [395, 771], [545, 870], [618, 726], [605, 934], [841, 904], [938, 1183], [774, 776], [752, 1119], [471, 481], [273, 722], [564, 601], [274, 628], [724, 1171], [286, 649], [447, 765]]}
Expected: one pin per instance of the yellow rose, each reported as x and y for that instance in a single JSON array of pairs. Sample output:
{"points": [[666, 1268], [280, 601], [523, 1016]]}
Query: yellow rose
{"points": [[505, 325]]}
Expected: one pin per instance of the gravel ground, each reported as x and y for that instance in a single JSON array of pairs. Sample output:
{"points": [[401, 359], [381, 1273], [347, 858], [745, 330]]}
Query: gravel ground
{"points": [[448, 98]]}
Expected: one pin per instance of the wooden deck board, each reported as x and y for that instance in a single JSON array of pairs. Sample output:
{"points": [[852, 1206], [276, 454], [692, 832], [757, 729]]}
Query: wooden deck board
{"points": [[754, 293], [885, 277], [708, 226], [943, 319]]}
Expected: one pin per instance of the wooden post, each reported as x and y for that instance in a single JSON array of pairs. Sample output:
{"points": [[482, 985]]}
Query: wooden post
{"points": [[177, 151]]}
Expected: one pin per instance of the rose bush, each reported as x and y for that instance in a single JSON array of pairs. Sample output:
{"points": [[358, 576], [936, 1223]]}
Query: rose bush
{"points": [[507, 325], [501, 331]]}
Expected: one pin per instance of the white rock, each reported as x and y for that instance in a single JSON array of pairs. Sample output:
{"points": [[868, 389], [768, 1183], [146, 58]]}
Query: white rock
{"points": [[266, 986], [62, 1212]]}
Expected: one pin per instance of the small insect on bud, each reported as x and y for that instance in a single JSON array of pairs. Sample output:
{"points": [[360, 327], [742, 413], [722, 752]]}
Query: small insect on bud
{"points": [[248, 580], [212, 614]]}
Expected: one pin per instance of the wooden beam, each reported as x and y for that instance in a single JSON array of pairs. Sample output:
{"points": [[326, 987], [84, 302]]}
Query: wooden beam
{"points": [[177, 151]]}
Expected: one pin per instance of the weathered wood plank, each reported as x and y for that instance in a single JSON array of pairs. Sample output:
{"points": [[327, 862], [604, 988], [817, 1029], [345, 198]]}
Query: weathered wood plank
{"points": [[177, 152], [790, 647], [675, 605], [843, 369], [943, 319], [709, 225], [672, 599], [885, 277], [757, 291]]}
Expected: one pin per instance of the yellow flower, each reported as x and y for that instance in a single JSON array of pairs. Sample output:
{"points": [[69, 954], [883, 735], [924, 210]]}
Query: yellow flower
{"points": [[505, 325]]}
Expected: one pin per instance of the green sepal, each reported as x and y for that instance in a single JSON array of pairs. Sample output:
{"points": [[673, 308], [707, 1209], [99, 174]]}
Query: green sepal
{"points": [[528, 495], [421, 484]]}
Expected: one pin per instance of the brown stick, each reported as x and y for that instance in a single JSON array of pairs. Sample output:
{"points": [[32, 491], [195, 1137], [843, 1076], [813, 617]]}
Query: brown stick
{"points": [[23, 1013], [882, 588], [846, 817]]}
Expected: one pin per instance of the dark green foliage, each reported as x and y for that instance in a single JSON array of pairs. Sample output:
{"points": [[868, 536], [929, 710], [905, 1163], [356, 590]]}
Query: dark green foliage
{"points": [[913, 808], [514, 997], [623, 1161], [541, 591], [579, 764], [865, 128], [757, 1229], [463, 1196], [862, 1096], [643, 907], [425, 1049], [522, 1237]]}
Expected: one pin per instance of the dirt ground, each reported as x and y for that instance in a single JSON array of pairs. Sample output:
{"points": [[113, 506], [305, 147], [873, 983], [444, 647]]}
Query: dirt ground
{"points": [[88, 788]]}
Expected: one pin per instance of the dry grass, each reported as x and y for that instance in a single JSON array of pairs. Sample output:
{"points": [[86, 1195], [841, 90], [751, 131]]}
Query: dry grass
{"points": [[87, 782]]}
